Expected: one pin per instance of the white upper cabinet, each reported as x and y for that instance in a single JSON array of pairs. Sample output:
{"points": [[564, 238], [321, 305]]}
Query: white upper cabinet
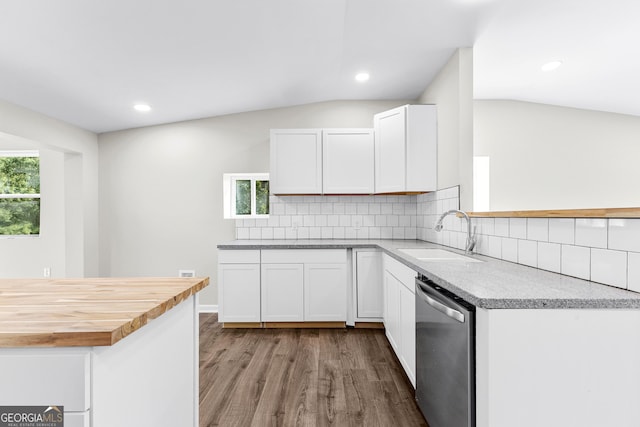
{"points": [[296, 161], [348, 161], [406, 149]]}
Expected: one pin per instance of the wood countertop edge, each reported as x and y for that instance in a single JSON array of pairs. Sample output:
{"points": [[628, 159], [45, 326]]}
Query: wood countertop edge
{"points": [[563, 213], [96, 338]]}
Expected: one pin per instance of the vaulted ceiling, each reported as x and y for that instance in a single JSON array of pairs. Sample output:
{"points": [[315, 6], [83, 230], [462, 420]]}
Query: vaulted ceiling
{"points": [[88, 61]]}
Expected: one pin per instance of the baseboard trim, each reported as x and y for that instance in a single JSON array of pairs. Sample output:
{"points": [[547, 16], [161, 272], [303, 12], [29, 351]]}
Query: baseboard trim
{"points": [[208, 308]]}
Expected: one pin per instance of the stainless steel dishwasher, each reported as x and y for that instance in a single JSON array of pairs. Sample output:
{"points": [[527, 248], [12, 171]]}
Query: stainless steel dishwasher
{"points": [[445, 356]]}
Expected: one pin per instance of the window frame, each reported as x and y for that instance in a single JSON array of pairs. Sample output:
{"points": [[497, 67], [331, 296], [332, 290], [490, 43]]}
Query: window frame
{"points": [[229, 181], [6, 196]]}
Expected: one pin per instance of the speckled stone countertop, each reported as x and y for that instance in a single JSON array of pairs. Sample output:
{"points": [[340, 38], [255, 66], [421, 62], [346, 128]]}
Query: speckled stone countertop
{"points": [[490, 284]]}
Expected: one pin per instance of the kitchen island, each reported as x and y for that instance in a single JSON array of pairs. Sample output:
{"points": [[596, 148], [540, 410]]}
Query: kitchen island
{"points": [[111, 351]]}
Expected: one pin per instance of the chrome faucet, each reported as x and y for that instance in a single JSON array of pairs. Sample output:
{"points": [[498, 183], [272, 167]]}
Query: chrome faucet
{"points": [[471, 238]]}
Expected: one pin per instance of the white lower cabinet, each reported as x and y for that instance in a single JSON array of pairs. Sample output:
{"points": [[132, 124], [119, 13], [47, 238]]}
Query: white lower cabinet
{"points": [[325, 296], [400, 313], [282, 292], [408, 332], [392, 310], [239, 286], [368, 285]]}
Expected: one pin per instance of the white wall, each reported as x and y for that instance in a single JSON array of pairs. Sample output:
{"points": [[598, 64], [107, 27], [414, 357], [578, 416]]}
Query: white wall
{"points": [[161, 186], [452, 91], [69, 240], [549, 157]]}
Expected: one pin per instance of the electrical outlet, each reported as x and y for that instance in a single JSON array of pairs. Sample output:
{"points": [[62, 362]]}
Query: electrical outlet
{"points": [[295, 224], [47, 272], [186, 273]]}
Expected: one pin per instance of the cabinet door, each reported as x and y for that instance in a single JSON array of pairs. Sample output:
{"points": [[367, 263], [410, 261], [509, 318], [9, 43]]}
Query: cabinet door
{"points": [[392, 313], [348, 161], [239, 292], [422, 148], [325, 292], [296, 161], [369, 285], [282, 293], [390, 153], [408, 332]]}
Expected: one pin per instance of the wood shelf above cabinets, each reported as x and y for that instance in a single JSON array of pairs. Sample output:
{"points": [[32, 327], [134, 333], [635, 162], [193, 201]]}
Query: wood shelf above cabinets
{"points": [[563, 213]]}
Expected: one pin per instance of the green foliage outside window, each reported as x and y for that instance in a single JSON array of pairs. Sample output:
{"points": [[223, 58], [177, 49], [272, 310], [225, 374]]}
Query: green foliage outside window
{"points": [[262, 197], [19, 176], [250, 201], [243, 197]]}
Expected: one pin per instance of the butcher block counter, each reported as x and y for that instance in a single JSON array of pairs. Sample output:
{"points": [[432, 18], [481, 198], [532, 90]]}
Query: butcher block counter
{"points": [[110, 351], [85, 312]]}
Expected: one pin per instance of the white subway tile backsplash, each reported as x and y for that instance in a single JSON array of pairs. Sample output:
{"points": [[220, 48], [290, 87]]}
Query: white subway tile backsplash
{"points": [[538, 229], [502, 227], [302, 209], [255, 233], [549, 257], [528, 252], [576, 261], [562, 230], [279, 233], [591, 232], [593, 248], [410, 233], [315, 208], [290, 233], [242, 233], [326, 232], [290, 209], [267, 233], [518, 228], [285, 221], [633, 281], [510, 249], [315, 233], [624, 234], [369, 221], [495, 247], [609, 267]]}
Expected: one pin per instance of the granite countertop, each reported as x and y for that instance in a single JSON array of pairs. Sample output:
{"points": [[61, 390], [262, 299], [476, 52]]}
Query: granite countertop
{"points": [[490, 284], [85, 312]]}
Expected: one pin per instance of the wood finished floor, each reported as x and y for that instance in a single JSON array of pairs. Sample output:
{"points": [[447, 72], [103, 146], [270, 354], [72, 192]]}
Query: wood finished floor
{"points": [[301, 377]]}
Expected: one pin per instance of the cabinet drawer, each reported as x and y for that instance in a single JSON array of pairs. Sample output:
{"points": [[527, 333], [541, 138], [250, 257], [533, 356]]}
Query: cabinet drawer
{"points": [[240, 256], [404, 274], [302, 256], [45, 377]]}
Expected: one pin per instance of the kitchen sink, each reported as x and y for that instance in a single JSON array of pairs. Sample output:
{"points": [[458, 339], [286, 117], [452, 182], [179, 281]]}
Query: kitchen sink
{"points": [[437, 255]]}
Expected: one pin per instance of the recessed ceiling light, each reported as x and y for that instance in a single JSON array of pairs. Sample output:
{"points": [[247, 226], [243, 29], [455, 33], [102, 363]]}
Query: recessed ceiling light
{"points": [[142, 107], [362, 77], [550, 66]]}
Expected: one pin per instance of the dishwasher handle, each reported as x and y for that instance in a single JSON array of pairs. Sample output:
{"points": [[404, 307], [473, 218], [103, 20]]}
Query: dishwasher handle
{"points": [[448, 311]]}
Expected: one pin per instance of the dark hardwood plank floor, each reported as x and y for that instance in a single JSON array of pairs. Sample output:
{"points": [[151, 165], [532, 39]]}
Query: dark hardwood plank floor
{"points": [[301, 377]]}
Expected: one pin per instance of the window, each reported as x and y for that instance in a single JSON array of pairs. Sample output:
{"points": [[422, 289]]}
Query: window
{"points": [[246, 195], [19, 193]]}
